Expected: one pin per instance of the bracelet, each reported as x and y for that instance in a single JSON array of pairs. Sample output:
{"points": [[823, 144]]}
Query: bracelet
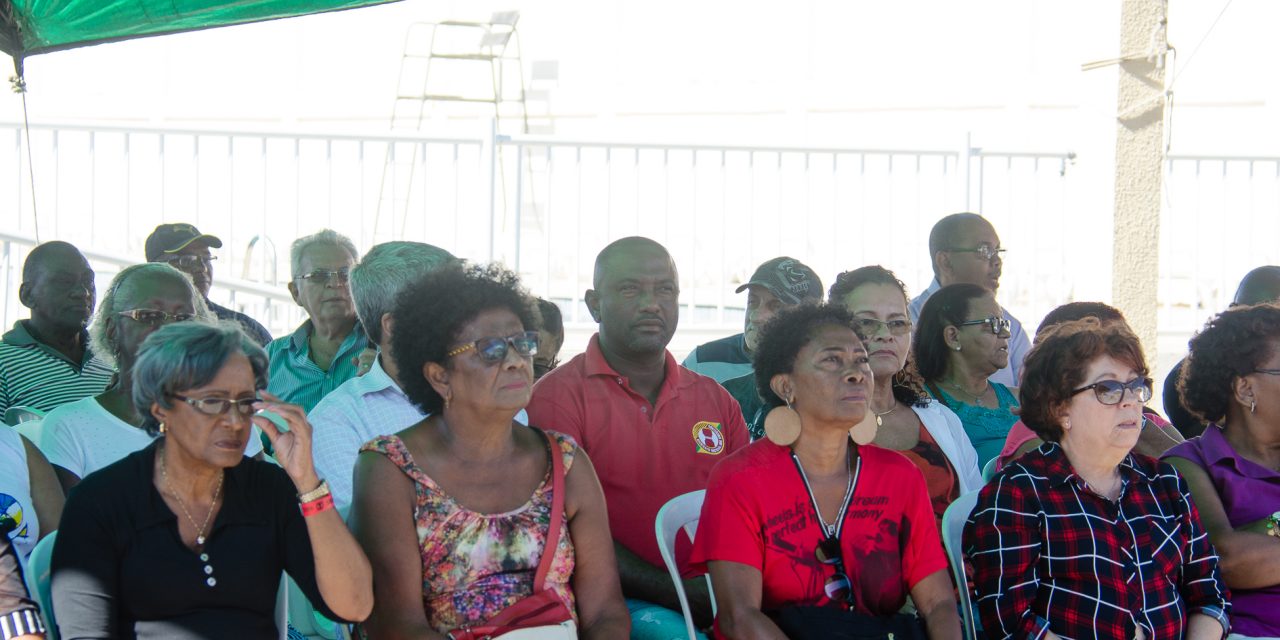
{"points": [[20, 623], [319, 505], [316, 493]]}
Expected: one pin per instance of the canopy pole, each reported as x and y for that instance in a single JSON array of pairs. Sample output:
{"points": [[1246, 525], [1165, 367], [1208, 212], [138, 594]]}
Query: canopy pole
{"points": [[19, 83]]}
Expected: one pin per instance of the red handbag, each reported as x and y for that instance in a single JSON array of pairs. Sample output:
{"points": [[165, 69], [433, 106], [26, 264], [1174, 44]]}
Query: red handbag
{"points": [[543, 614]]}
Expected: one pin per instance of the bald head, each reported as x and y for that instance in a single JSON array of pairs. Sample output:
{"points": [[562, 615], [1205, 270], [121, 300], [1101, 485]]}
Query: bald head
{"points": [[55, 252], [1260, 285], [621, 253], [58, 288]]}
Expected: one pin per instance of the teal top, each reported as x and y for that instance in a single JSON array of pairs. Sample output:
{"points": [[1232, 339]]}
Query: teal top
{"points": [[987, 428]]}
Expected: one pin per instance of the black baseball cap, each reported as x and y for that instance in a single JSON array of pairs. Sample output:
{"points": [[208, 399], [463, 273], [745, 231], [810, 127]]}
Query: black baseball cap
{"points": [[174, 237], [788, 279]]}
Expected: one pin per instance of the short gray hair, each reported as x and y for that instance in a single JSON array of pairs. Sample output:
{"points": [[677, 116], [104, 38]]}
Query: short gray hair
{"points": [[324, 236], [188, 355], [111, 303], [383, 274]]}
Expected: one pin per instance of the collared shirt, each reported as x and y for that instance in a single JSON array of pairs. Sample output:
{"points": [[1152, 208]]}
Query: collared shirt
{"points": [[1049, 554], [121, 571], [33, 374], [644, 454], [1019, 344], [360, 410], [296, 378], [1249, 492], [252, 327], [721, 359]]}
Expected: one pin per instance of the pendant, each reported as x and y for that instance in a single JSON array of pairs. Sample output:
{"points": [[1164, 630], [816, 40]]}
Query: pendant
{"points": [[879, 421], [200, 541]]}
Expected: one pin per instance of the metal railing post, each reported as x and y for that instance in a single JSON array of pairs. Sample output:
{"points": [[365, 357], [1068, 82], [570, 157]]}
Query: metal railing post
{"points": [[493, 186]]}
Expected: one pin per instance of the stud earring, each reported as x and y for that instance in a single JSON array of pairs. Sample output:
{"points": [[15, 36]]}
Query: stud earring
{"points": [[1253, 406], [957, 347]]}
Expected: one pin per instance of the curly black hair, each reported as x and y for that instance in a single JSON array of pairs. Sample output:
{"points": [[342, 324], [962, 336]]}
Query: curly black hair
{"points": [[1056, 366], [908, 387], [1232, 344], [949, 306], [430, 315], [784, 335]]}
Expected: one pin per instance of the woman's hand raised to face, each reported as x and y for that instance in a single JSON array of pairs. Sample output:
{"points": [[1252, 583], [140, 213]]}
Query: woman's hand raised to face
{"points": [[292, 447]]}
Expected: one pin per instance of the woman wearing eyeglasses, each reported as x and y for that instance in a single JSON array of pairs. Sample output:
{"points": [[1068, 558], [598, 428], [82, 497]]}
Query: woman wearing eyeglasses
{"points": [[500, 515], [1232, 380], [1082, 537], [961, 340], [82, 437], [808, 532], [926, 432], [187, 538]]}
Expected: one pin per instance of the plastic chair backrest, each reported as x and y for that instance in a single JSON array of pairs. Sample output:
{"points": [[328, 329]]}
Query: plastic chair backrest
{"points": [[680, 512], [14, 416], [282, 608], [953, 520], [32, 430], [39, 583], [989, 469]]}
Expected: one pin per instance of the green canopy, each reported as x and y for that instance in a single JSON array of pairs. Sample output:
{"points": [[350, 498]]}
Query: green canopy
{"points": [[29, 27]]}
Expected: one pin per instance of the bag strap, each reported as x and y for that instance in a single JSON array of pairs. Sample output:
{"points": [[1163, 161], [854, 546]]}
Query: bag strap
{"points": [[557, 514], [937, 395]]}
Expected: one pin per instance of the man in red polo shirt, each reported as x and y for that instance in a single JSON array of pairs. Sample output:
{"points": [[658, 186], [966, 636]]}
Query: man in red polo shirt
{"points": [[652, 428]]}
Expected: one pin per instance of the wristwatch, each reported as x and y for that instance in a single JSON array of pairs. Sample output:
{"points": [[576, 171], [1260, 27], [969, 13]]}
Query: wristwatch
{"points": [[316, 493], [1273, 525]]}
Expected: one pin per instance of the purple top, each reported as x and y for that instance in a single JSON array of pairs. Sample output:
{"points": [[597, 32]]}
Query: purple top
{"points": [[1249, 492]]}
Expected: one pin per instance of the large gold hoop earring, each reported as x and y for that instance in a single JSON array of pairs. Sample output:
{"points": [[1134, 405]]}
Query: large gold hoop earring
{"points": [[782, 425]]}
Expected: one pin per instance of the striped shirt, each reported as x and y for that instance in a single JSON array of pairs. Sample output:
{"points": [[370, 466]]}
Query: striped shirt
{"points": [[33, 374], [296, 378]]}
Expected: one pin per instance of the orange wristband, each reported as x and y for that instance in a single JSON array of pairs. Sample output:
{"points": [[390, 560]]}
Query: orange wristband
{"points": [[319, 505]]}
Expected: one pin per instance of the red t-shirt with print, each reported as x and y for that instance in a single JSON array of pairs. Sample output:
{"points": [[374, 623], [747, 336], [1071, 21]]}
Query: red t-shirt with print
{"points": [[758, 513]]}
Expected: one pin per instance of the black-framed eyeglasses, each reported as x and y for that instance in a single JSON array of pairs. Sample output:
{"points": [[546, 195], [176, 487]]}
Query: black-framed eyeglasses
{"points": [[494, 350], [1270, 372], [186, 262], [219, 406], [984, 251], [1112, 391], [838, 587], [155, 317], [867, 327], [325, 276], [996, 324]]}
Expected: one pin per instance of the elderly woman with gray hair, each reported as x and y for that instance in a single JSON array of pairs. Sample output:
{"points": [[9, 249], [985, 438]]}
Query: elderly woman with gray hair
{"points": [[187, 538], [84, 436]]}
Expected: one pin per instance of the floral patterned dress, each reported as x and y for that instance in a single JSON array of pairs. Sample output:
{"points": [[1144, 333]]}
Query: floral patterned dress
{"points": [[474, 564]]}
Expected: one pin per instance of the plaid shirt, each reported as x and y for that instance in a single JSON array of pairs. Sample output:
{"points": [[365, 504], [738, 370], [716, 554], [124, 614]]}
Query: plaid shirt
{"points": [[1050, 554]]}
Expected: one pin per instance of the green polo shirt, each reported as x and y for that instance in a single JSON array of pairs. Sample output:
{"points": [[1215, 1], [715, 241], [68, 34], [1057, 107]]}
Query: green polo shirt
{"points": [[35, 375]]}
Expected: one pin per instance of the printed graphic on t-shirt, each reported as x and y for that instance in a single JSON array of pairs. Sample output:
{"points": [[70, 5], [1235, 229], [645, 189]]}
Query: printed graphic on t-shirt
{"points": [[11, 521], [708, 438], [872, 546]]}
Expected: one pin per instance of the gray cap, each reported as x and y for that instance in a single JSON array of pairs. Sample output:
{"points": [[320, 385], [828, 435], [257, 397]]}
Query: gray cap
{"points": [[788, 279]]}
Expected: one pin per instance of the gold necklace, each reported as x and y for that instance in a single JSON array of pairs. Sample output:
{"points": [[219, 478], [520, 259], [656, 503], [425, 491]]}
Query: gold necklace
{"points": [[976, 399], [881, 414], [217, 491]]}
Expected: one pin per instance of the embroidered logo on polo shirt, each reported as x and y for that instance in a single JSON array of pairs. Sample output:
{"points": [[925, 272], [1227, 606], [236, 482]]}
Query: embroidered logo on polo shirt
{"points": [[708, 438]]}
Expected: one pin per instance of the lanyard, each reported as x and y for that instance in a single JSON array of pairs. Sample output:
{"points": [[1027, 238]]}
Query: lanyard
{"points": [[832, 531]]}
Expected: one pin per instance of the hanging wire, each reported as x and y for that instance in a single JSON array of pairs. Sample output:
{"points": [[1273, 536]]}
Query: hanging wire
{"points": [[19, 84]]}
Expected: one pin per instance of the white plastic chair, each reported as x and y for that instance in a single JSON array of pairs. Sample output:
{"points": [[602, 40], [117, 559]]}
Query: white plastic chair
{"points": [[304, 617], [282, 608], [953, 520], [14, 416], [989, 469], [39, 583], [681, 512], [32, 430]]}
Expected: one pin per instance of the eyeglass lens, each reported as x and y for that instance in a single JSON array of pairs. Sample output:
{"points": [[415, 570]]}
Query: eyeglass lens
{"points": [[495, 349], [1112, 392]]}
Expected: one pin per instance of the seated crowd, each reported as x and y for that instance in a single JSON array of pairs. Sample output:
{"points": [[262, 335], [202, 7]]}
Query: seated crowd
{"points": [[418, 463]]}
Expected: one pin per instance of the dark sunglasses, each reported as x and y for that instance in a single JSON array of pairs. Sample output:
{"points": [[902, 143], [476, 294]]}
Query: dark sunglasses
{"points": [[494, 350], [1112, 392], [837, 587], [154, 317], [996, 324], [219, 406]]}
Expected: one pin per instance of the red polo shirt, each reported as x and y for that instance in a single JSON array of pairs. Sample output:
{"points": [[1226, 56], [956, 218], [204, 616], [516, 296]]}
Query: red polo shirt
{"points": [[644, 455]]}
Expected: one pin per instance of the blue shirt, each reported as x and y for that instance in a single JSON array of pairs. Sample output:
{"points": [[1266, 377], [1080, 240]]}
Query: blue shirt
{"points": [[296, 378]]}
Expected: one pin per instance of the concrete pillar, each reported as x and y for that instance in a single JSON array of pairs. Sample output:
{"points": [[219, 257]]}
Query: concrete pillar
{"points": [[1139, 167]]}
